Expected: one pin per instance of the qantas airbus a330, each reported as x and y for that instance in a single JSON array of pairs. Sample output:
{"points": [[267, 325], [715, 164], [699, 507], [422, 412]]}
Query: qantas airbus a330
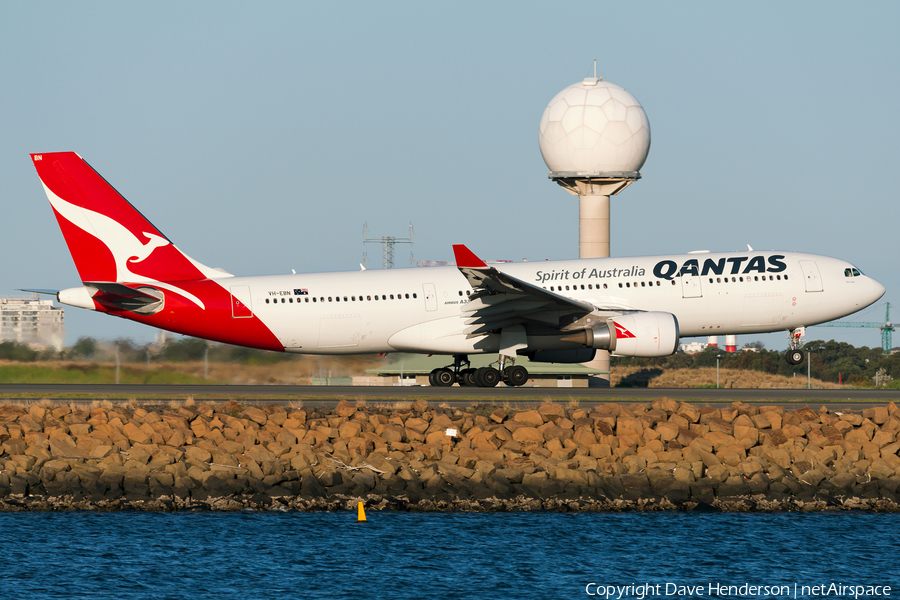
{"points": [[552, 311]]}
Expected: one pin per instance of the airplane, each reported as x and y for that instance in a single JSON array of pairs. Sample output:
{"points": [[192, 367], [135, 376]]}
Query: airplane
{"points": [[549, 311]]}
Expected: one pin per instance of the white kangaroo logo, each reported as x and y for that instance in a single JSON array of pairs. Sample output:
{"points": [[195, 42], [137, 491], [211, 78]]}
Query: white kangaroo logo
{"points": [[125, 247]]}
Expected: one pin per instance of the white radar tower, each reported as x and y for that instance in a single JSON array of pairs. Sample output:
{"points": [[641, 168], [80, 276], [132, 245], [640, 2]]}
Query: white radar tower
{"points": [[594, 137]]}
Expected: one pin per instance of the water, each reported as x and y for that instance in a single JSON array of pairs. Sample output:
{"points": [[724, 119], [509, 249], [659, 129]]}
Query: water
{"points": [[437, 555]]}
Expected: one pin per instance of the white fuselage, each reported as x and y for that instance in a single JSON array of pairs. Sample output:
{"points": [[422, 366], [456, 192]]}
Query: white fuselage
{"points": [[419, 309]]}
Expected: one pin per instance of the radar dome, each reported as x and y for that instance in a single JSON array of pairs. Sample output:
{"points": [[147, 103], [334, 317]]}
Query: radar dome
{"points": [[594, 127]]}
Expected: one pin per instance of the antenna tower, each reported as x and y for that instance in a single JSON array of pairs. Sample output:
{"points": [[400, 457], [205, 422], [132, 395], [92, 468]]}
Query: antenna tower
{"points": [[387, 245]]}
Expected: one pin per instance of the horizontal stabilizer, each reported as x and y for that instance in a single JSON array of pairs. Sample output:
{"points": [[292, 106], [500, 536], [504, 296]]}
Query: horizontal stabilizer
{"points": [[116, 295]]}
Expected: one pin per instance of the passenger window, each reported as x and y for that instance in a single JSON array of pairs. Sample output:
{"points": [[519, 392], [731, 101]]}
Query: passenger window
{"points": [[785, 277], [620, 285], [414, 296], [627, 284], [604, 286], [642, 284], [407, 295], [460, 293], [383, 297], [392, 296]]}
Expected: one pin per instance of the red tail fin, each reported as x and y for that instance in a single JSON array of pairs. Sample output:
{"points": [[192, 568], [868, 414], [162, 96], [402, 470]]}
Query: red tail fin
{"points": [[108, 238]]}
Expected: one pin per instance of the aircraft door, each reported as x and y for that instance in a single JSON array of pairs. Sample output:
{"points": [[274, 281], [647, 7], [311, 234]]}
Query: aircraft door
{"points": [[241, 302], [430, 296], [811, 275], [690, 286]]}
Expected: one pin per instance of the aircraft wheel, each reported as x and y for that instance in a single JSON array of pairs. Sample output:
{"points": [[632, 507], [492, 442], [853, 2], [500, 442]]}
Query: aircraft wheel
{"points": [[794, 357], [486, 377], [444, 377], [465, 377], [515, 375]]}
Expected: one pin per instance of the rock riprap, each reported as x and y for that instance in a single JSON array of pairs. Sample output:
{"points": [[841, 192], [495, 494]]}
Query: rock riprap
{"points": [[648, 456]]}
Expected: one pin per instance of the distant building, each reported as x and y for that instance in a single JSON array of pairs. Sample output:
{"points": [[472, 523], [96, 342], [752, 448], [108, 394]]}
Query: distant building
{"points": [[32, 321], [694, 347]]}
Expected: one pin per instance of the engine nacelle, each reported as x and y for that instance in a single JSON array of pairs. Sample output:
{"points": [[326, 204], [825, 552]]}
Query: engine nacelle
{"points": [[645, 334]]}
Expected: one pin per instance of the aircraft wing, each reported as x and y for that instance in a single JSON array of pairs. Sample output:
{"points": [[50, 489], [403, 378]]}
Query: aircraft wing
{"points": [[500, 300]]}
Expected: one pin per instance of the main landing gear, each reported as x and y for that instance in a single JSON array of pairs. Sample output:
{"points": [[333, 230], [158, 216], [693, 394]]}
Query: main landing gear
{"points": [[462, 373], [794, 355]]}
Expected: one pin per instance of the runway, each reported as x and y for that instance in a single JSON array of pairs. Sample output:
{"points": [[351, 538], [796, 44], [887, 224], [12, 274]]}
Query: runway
{"points": [[466, 395]]}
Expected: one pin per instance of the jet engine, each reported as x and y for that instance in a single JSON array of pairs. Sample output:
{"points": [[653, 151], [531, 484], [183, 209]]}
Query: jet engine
{"points": [[644, 334]]}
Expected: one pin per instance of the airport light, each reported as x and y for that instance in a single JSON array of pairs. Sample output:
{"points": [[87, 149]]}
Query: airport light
{"points": [[718, 356]]}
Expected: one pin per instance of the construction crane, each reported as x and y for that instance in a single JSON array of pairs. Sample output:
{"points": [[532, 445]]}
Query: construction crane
{"points": [[887, 328]]}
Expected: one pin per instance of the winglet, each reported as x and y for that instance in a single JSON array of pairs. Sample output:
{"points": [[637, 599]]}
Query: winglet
{"points": [[466, 258]]}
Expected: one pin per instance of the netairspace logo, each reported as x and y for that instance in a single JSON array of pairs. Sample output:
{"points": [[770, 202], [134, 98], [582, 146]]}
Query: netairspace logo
{"points": [[642, 591]]}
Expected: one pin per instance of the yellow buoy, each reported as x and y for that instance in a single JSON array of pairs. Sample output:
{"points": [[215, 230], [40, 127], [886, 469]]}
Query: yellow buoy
{"points": [[361, 514]]}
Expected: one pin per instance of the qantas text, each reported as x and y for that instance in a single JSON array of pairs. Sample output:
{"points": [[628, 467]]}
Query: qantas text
{"points": [[668, 269]]}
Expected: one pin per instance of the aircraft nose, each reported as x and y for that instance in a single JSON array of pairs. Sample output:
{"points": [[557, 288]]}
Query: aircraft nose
{"points": [[877, 290]]}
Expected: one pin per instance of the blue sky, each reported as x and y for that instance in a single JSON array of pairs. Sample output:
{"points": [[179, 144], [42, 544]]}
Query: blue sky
{"points": [[260, 137]]}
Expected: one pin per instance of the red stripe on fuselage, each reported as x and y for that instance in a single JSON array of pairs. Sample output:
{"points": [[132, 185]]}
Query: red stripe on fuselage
{"points": [[214, 322]]}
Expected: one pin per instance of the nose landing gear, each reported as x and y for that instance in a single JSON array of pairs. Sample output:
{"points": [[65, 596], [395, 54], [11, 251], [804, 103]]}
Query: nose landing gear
{"points": [[794, 355]]}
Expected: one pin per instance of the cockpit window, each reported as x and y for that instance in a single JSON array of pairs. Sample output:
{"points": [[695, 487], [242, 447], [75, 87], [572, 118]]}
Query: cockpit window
{"points": [[852, 272]]}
